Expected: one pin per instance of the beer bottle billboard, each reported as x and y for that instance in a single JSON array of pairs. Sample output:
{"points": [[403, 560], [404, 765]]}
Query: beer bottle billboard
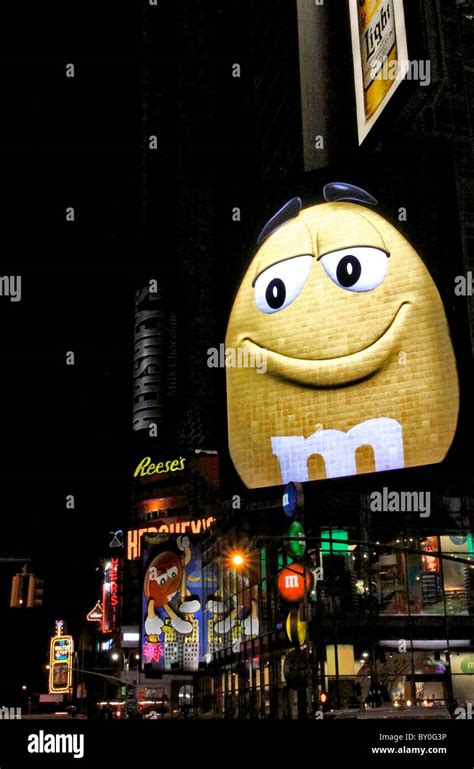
{"points": [[379, 50]]}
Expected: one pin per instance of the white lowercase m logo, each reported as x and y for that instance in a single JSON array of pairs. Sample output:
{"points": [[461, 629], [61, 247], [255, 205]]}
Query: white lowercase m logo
{"points": [[291, 581], [338, 449]]}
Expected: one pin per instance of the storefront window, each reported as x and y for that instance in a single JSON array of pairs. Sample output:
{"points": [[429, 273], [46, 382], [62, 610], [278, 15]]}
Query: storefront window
{"points": [[458, 577]]}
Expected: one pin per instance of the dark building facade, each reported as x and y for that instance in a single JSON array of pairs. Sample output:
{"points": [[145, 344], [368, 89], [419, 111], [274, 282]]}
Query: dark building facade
{"points": [[386, 623]]}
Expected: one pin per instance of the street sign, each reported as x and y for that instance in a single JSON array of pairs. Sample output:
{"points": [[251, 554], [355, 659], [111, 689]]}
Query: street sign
{"points": [[293, 499], [295, 670], [296, 626], [294, 581]]}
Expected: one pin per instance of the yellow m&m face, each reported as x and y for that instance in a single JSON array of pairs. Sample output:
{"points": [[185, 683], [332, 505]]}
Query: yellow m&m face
{"points": [[359, 373]]}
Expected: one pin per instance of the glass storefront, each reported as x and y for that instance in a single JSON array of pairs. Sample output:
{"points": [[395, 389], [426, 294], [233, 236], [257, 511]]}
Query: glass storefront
{"points": [[382, 625]]}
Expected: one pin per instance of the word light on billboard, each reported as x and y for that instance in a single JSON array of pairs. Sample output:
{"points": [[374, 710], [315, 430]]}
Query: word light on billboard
{"points": [[60, 661], [147, 467], [165, 526], [95, 614], [110, 596]]}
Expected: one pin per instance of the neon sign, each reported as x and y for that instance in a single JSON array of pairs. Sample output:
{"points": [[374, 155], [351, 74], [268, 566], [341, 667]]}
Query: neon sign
{"points": [[167, 526], [96, 614], [117, 539], [110, 596], [147, 467], [152, 652], [60, 661]]}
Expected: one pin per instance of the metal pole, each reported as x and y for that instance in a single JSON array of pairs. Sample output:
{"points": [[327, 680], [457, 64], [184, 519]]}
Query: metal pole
{"points": [[449, 677], [100, 675], [82, 674], [412, 651]]}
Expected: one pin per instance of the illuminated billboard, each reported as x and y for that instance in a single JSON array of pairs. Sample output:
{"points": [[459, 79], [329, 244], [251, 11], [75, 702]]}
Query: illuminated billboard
{"points": [[165, 526], [172, 627], [360, 374], [95, 614], [380, 56], [231, 617], [60, 661], [111, 595]]}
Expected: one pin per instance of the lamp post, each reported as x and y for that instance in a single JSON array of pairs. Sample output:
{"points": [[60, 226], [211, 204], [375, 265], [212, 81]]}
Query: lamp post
{"points": [[27, 697], [115, 656], [185, 700]]}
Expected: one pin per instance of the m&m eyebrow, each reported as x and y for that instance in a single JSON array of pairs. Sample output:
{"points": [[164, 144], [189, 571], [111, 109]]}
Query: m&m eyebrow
{"points": [[287, 259], [289, 211], [348, 248]]}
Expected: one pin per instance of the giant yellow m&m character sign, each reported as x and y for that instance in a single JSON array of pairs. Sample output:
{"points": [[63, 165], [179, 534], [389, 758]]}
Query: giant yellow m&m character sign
{"points": [[360, 374]]}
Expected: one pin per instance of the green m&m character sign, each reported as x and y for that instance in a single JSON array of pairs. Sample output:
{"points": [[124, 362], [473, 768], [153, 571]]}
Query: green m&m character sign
{"points": [[295, 546]]}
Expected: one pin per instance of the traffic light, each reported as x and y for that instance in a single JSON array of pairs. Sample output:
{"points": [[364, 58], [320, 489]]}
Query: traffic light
{"points": [[16, 596], [39, 591], [324, 700], [27, 591], [35, 591]]}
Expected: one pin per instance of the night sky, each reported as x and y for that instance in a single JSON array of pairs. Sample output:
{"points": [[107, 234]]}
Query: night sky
{"points": [[66, 430]]}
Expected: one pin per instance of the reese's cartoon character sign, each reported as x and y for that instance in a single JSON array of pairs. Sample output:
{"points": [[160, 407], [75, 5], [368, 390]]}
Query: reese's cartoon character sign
{"points": [[172, 599]]}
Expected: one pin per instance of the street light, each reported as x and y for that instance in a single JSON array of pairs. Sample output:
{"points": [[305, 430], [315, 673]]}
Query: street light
{"points": [[24, 687], [237, 559], [115, 656], [118, 654]]}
